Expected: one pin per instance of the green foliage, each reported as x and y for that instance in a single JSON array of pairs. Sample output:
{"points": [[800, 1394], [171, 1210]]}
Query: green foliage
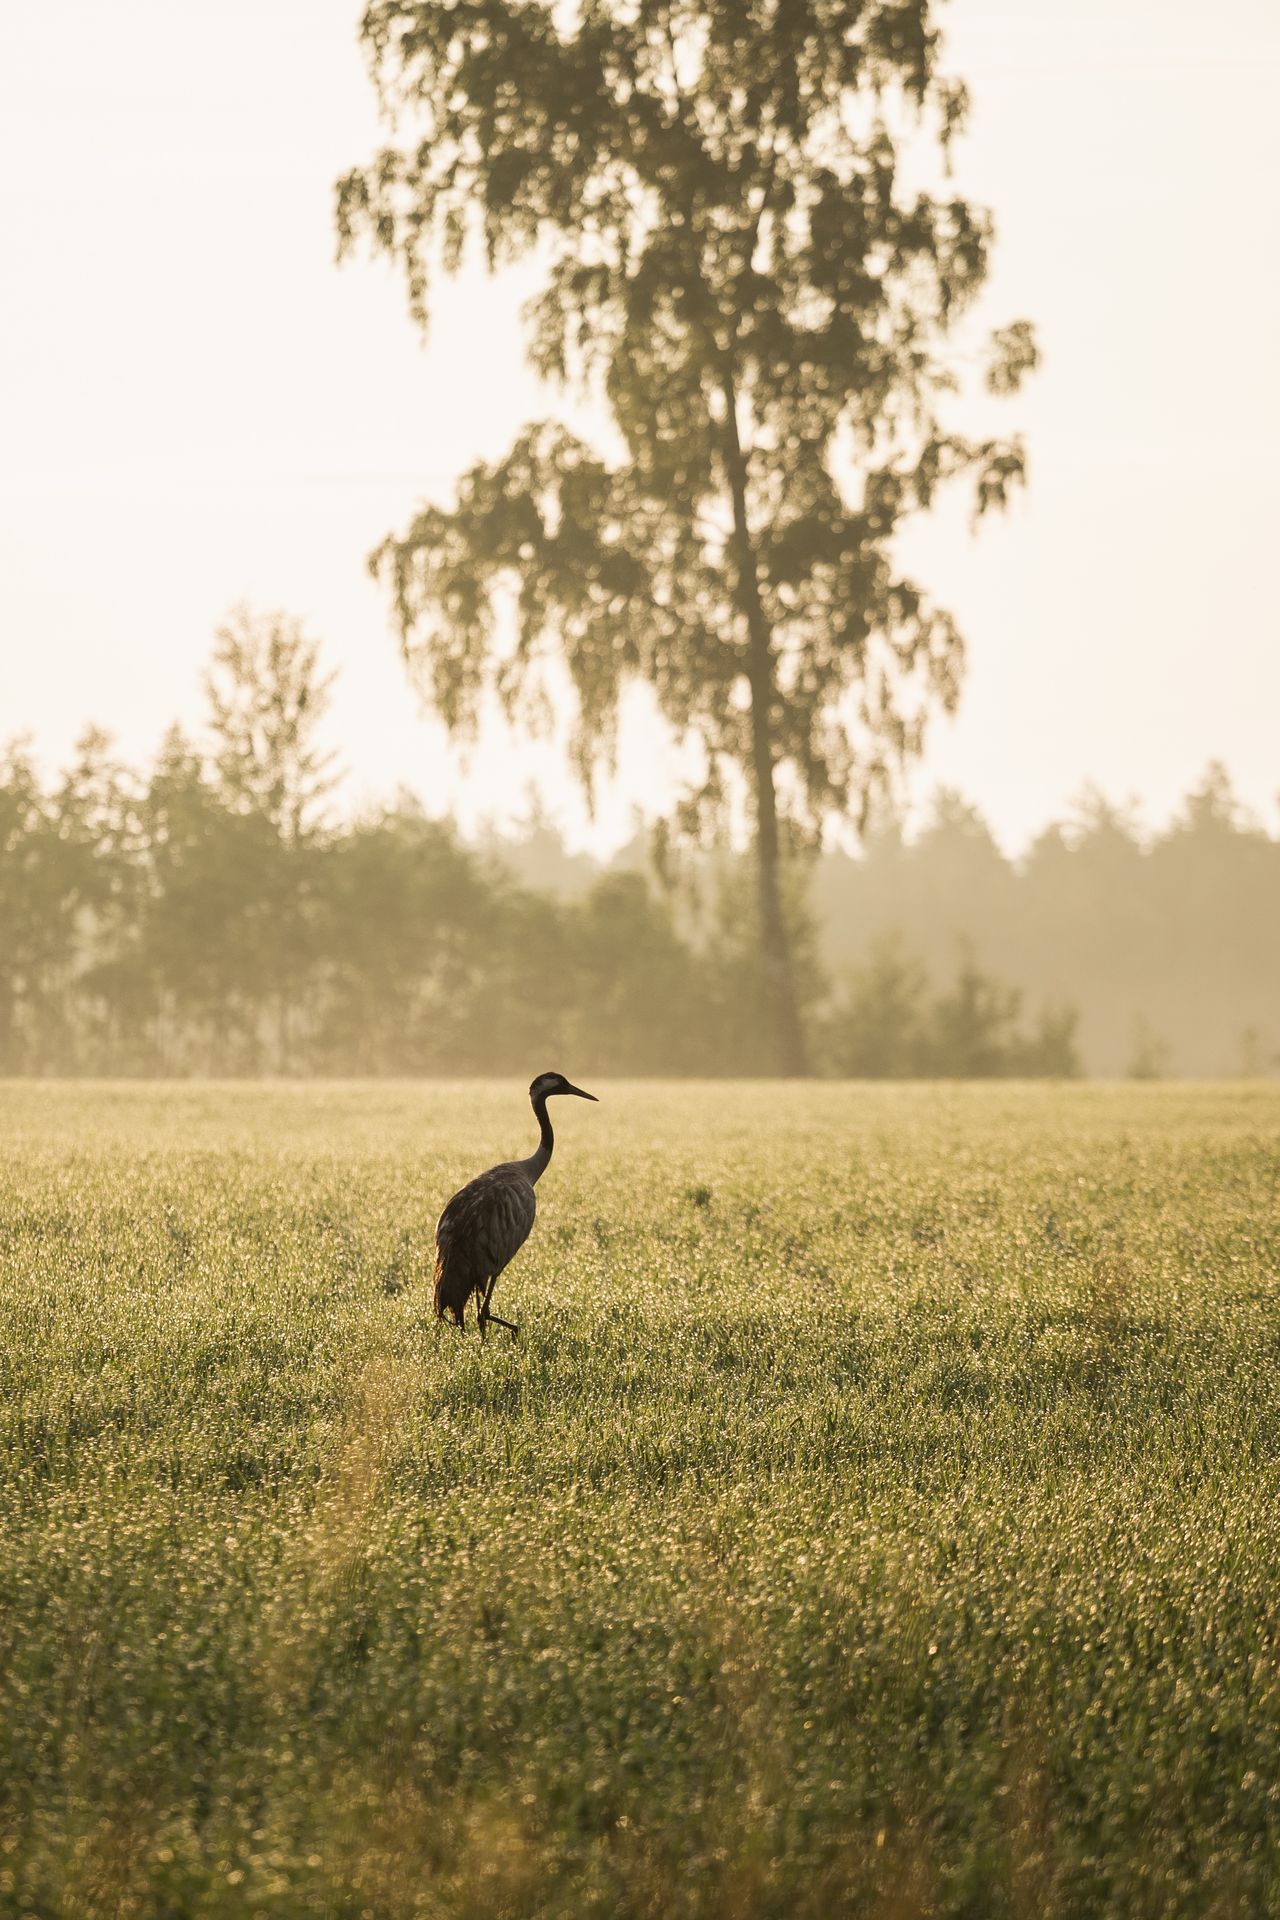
{"points": [[735, 264], [189, 923], [34, 906], [888, 1029], [1167, 943], [170, 922], [875, 1516], [878, 1034], [266, 699], [970, 1033], [1150, 1057], [70, 902]]}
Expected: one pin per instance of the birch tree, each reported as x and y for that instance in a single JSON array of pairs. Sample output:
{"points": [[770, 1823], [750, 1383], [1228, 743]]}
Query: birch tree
{"points": [[740, 262]]}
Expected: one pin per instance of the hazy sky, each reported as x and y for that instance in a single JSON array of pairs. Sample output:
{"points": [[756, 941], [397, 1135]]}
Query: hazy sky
{"points": [[197, 406]]}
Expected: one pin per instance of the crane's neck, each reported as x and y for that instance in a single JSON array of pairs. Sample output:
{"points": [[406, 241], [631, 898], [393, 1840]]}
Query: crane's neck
{"points": [[538, 1161]]}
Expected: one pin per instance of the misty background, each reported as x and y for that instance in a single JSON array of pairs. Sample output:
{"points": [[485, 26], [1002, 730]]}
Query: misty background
{"points": [[215, 913]]}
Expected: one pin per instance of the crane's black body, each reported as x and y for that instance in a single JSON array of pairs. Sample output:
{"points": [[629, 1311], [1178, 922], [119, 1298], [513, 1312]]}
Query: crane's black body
{"points": [[487, 1222]]}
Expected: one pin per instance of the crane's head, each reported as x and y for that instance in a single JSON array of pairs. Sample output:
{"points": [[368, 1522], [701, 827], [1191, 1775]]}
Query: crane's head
{"points": [[548, 1083]]}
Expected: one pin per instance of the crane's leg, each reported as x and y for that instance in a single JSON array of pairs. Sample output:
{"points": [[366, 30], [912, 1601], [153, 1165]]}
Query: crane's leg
{"points": [[484, 1316], [482, 1310]]}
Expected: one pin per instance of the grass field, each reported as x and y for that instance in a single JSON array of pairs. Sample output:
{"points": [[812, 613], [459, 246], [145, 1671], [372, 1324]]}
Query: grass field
{"points": [[877, 1515]]}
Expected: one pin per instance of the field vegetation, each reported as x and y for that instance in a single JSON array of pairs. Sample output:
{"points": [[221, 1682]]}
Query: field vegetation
{"points": [[877, 1514]]}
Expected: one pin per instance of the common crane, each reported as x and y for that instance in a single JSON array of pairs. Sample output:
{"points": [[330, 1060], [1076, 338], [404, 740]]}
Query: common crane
{"points": [[487, 1222]]}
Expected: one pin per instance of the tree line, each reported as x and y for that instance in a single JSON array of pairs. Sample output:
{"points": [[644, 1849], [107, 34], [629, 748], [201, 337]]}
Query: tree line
{"points": [[1164, 946], [210, 915], [1167, 944]]}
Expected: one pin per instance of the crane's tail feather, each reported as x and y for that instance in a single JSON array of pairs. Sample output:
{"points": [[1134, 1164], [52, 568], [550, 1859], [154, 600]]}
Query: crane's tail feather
{"points": [[451, 1294]]}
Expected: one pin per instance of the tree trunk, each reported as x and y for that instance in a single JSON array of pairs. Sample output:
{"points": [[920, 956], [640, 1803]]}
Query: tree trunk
{"points": [[8, 998], [775, 939]]}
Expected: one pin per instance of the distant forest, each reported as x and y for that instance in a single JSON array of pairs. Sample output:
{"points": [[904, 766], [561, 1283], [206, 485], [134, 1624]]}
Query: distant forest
{"points": [[1165, 946], [210, 916]]}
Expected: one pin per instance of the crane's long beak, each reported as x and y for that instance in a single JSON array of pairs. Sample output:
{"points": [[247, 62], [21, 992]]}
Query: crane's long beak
{"points": [[579, 1091]]}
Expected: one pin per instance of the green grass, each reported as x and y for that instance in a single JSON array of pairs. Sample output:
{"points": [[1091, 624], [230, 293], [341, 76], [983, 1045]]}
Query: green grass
{"points": [[878, 1513]]}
